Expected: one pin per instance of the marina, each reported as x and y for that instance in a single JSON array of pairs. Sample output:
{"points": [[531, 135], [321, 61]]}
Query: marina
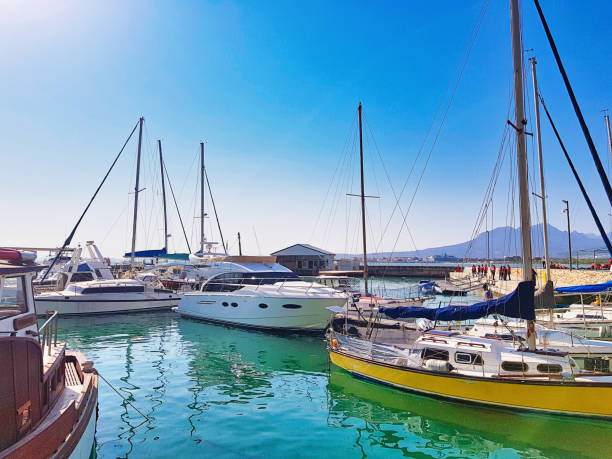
{"points": [[293, 255]]}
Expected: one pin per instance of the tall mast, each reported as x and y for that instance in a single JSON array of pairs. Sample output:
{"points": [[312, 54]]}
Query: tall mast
{"points": [[521, 151], [541, 161], [202, 198], [163, 184], [136, 192], [363, 218]]}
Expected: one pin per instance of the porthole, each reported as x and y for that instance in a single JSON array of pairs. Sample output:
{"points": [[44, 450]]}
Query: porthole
{"points": [[549, 368], [225, 303], [263, 305], [514, 366], [234, 305], [292, 306]]}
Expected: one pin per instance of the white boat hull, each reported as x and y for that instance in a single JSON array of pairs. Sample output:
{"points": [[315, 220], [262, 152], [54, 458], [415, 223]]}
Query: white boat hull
{"points": [[310, 315], [75, 306], [83, 448]]}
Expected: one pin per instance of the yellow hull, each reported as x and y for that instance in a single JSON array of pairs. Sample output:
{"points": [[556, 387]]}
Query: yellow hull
{"points": [[580, 399]]}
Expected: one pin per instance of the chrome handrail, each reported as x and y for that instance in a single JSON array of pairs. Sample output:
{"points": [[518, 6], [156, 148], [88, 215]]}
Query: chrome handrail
{"points": [[45, 334]]}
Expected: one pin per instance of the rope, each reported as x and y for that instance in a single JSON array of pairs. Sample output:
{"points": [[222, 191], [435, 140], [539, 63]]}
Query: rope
{"points": [[122, 397]]}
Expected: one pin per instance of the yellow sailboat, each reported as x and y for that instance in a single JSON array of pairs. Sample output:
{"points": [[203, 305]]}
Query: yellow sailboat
{"points": [[509, 374]]}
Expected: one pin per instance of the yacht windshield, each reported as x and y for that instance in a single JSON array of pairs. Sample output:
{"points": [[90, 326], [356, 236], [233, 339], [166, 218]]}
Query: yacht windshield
{"points": [[12, 296], [228, 282]]}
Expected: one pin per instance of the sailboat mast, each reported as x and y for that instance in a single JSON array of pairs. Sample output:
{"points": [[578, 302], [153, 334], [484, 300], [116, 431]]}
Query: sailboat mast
{"points": [[202, 198], [541, 161], [136, 192], [521, 150], [163, 184], [363, 218]]}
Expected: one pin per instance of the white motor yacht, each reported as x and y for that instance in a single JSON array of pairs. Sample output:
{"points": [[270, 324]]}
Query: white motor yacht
{"points": [[107, 296], [261, 295]]}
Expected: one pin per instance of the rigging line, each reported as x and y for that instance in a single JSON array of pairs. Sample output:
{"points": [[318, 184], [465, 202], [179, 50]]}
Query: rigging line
{"points": [[114, 223], [176, 205], [71, 235], [335, 199], [570, 92], [444, 116], [215, 209], [390, 183], [604, 236], [467, 51], [337, 169]]}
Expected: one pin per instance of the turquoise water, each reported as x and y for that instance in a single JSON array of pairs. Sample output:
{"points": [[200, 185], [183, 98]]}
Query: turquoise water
{"points": [[212, 391]]}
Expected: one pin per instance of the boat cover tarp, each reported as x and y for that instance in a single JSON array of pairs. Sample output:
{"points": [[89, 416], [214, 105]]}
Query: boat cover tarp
{"points": [[147, 253], [593, 288], [519, 304]]}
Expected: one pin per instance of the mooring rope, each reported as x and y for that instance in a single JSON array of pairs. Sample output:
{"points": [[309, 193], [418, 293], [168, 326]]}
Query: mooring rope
{"points": [[122, 397]]}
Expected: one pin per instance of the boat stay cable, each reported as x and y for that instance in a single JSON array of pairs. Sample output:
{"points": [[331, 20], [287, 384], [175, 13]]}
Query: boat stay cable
{"points": [[570, 92], [465, 59], [600, 227], [177, 207], [71, 235]]}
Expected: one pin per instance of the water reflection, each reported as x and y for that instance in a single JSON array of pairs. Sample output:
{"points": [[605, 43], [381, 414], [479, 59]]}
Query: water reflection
{"points": [[210, 390], [392, 417]]}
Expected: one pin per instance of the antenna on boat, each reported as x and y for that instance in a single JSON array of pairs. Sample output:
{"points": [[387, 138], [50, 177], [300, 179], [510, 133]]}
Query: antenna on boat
{"points": [[239, 245], [607, 119], [136, 191], [541, 161], [363, 218], [202, 198], [521, 153], [163, 184]]}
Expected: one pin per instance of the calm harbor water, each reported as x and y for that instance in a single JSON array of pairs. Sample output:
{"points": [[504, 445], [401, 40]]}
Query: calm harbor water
{"points": [[212, 391]]}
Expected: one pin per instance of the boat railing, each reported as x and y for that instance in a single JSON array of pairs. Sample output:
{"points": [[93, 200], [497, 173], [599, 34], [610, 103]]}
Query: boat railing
{"points": [[225, 285], [47, 333]]}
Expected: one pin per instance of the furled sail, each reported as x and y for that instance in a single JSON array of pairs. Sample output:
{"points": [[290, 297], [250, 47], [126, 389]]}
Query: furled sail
{"points": [[592, 288], [519, 304]]}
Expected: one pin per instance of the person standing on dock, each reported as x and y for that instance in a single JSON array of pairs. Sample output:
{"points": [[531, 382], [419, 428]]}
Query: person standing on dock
{"points": [[473, 270], [486, 270], [509, 269], [502, 273], [488, 293], [493, 272]]}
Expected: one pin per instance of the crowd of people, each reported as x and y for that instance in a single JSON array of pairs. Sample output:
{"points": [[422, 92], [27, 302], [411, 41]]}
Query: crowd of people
{"points": [[503, 272]]}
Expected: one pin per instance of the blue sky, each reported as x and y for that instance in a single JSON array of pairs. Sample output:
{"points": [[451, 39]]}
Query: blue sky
{"points": [[273, 88]]}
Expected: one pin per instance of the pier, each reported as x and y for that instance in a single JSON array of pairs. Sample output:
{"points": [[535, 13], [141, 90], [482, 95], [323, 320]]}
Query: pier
{"points": [[423, 271]]}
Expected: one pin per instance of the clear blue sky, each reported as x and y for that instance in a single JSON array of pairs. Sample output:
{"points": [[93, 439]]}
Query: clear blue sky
{"points": [[273, 88]]}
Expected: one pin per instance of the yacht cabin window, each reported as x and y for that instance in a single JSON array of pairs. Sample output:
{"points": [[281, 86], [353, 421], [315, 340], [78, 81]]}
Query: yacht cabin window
{"points": [[12, 296], [514, 366], [468, 358], [433, 353]]}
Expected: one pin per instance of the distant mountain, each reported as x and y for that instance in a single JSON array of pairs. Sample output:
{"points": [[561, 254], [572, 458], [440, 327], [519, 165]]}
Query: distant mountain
{"points": [[506, 241]]}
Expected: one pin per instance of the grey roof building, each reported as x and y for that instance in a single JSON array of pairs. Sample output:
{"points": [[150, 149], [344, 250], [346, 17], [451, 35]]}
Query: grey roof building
{"points": [[305, 259]]}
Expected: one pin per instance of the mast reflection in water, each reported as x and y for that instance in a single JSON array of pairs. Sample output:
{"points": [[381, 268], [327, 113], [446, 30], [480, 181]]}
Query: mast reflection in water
{"points": [[210, 390]]}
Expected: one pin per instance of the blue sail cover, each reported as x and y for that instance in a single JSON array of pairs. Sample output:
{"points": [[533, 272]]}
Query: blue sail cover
{"points": [[147, 253], [593, 288], [518, 304]]}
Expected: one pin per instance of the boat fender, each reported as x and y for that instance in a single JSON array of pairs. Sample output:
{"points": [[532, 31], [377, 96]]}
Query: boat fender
{"points": [[424, 324], [441, 366], [334, 342]]}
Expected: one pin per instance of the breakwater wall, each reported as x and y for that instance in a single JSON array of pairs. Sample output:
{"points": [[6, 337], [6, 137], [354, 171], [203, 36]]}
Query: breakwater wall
{"points": [[424, 271]]}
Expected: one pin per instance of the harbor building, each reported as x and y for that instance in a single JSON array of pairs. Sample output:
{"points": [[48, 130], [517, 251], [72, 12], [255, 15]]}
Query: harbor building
{"points": [[305, 259]]}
